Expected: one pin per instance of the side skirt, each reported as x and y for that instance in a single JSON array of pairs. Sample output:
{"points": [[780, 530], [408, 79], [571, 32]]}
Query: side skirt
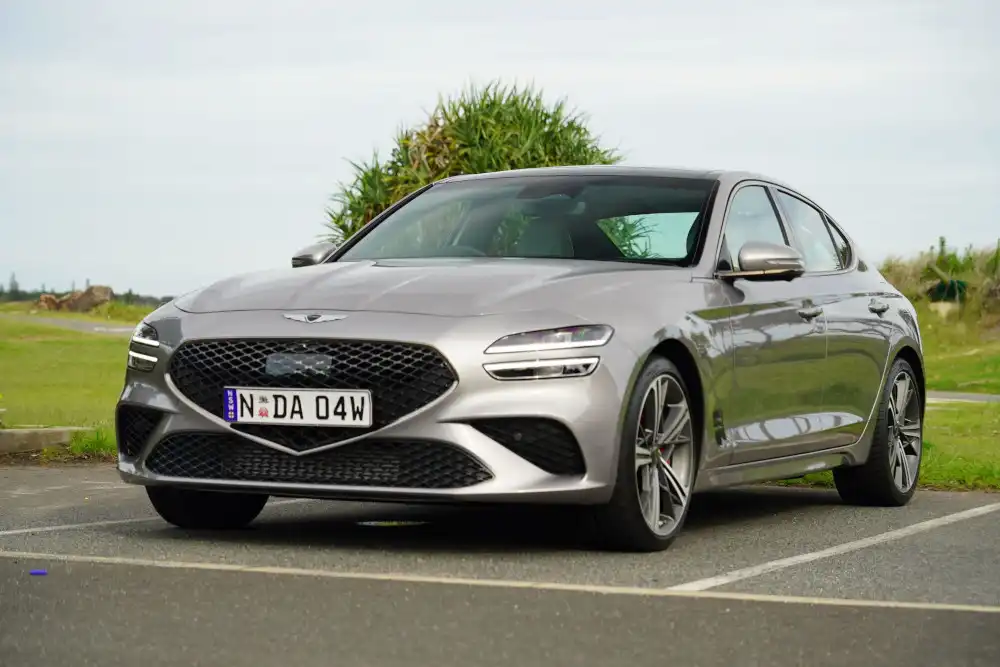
{"points": [[782, 468]]}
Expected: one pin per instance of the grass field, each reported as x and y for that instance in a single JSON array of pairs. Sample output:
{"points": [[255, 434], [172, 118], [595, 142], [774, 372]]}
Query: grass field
{"points": [[960, 355], [57, 377], [114, 312], [961, 449], [51, 376]]}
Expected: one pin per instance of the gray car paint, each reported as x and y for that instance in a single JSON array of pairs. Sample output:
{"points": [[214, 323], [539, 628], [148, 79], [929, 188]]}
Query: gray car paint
{"points": [[763, 372]]}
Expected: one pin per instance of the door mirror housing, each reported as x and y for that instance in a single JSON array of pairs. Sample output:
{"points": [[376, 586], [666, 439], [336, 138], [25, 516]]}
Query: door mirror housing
{"points": [[314, 254], [766, 261]]}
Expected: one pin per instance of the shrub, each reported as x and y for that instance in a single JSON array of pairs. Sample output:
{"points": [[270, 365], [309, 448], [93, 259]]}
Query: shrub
{"points": [[978, 269], [493, 128]]}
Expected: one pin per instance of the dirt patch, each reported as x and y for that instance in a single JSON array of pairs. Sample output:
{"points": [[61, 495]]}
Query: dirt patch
{"points": [[54, 457]]}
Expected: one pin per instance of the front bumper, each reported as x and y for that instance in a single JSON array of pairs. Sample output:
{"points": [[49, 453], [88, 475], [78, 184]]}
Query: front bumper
{"points": [[483, 440]]}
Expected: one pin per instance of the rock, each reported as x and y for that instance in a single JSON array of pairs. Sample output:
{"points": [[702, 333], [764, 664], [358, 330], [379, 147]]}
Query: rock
{"points": [[944, 309], [87, 300], [48, 302]]}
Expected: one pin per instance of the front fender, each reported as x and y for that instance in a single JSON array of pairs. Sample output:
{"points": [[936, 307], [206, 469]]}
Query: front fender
{"points": [[701, 346]]}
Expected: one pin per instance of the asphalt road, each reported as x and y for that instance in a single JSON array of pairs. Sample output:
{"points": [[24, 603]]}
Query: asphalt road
{"points": [[765, 576], [74, 325]]}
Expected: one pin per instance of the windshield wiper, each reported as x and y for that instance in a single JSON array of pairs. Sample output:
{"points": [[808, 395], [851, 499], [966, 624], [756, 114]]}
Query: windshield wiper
{"points": [[642, 260]]}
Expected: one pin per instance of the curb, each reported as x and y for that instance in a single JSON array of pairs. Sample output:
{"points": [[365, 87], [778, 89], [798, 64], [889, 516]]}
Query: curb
{"points": [[18, 440]]}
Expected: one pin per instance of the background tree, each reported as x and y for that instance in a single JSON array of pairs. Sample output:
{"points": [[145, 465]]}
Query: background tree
{"points": [[492, 128], [13, 288]]}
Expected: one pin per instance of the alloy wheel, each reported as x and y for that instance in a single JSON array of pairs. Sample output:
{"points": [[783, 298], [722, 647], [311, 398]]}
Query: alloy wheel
{"points": [[664, 454], [905, 432]]}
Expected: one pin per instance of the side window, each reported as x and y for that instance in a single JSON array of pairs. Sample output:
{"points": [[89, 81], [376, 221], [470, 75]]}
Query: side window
{"points": [[843, 247], [811, 235], [751, 218]]}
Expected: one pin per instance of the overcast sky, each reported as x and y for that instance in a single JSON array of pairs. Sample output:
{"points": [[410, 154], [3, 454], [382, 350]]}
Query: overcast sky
{"points": [[159, 146]]}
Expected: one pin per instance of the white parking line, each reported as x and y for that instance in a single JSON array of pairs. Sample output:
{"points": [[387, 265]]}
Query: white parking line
{"points": [[491, 583], [882, 538], [71, 526], [116, 522]]}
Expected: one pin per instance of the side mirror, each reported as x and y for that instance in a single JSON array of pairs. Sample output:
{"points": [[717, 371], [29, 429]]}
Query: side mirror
{"points": [[314, 254], [767, 261]]}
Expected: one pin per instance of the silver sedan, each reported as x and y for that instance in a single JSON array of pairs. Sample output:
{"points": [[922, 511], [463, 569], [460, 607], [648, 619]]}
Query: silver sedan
{"points": [[616, 339]]}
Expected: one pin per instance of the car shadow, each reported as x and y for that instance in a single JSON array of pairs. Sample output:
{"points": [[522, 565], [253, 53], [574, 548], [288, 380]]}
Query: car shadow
{"points": [[518, 529]]}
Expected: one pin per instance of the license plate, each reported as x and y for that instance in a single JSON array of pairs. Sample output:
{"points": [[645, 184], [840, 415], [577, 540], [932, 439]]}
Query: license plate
{"points": [[301, 407]]}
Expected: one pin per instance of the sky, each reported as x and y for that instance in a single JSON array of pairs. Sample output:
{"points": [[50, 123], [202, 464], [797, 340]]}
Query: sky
{"points": [[160, 146]]}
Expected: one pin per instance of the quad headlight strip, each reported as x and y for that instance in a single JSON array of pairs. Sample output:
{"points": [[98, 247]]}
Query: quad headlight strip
{"points": [[145, 335], [540, 369], [548, 340]]}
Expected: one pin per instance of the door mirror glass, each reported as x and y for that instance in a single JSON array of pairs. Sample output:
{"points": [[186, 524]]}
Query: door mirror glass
{"points": [[314, 254], [767, 261]]}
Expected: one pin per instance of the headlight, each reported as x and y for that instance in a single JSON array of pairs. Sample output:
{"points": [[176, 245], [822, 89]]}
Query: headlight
{"points": [[141, 362], [566, 338], [542, 369], [145, 334]]}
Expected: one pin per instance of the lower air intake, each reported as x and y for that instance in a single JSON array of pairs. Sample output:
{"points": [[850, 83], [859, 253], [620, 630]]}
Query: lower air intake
{"points": [[411, 464], [545, 443], [133, 426]]}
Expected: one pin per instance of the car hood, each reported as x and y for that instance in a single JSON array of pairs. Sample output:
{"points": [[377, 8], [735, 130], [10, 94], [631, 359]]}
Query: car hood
{"points": [[447, 287]]}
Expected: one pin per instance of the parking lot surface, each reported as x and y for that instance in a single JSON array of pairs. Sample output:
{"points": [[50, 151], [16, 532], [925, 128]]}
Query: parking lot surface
{"points": [[760, 576]]}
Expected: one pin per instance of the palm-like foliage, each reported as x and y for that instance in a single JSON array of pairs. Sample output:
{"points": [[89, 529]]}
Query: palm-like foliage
{"points": [[483, 129], [931, 274]]}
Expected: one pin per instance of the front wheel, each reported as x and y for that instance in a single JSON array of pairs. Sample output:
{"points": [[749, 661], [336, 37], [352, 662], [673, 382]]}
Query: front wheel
{"points": [[212, 510], [657, 464], [889, 477]]}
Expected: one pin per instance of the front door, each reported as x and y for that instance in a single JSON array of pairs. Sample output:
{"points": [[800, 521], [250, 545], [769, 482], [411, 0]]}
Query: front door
{"points": [[775, 407]]}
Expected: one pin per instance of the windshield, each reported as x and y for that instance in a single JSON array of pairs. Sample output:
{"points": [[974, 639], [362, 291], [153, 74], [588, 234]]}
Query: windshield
{"points": [[612, 218]]}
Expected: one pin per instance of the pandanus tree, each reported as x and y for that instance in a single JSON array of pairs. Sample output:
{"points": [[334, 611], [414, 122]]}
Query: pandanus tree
{"points": [[492, 128]]}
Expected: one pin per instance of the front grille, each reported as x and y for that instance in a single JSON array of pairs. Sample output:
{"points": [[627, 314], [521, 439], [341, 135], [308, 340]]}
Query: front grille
{"points": [[403, 377], [413, 464], [133, 425], [545, 443]]}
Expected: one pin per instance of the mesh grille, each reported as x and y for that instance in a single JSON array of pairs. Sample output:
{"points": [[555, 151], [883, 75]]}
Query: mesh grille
{"points": [[402, 377], [545, 443], [386, 463], [134, 425]]}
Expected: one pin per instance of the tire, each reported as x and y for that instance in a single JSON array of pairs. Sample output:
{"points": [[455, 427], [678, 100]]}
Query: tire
{"points": [[878, 481], [622, 523], [205, 510]]}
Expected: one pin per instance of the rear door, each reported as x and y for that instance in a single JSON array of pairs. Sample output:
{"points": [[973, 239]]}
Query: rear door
{"points": [[776, 398], [858, 338]]}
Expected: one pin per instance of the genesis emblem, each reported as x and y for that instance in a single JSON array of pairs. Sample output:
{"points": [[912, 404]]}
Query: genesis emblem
{"points": [[313, 318]]}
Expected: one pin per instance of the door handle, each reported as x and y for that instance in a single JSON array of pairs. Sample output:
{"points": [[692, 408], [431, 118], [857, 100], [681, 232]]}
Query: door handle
{"points": [[810, 313], [878, 307]]}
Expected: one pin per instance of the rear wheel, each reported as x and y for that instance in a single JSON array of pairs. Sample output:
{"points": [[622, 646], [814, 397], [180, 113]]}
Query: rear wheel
{"points": [[889, 477], [186, 508], [657, 464]]}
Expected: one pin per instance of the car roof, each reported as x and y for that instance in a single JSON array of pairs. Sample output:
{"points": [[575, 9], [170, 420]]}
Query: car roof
{"points": [[731, 176]]}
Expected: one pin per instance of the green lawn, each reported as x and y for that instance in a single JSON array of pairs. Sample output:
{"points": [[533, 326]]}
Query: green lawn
{"points": [[114, 312], [55, 377], [959, 354], [975, 368], [961, 449]]}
